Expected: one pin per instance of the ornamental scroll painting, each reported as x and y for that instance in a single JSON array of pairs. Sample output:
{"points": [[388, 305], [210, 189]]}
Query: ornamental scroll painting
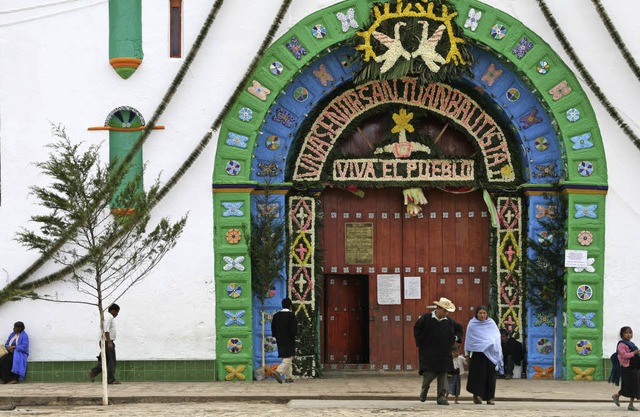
{"points": [[416, 37]]}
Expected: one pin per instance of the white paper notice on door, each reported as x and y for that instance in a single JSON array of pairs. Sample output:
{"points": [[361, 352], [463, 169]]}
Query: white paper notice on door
{"points": [[388, 289], [412, 288]]}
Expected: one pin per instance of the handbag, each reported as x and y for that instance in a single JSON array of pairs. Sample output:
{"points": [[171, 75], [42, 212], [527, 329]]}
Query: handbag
{"points": [[3, 351]]}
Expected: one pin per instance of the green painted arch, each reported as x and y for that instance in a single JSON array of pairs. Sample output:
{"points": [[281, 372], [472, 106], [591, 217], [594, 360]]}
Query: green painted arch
{"points": [[232, 183]]}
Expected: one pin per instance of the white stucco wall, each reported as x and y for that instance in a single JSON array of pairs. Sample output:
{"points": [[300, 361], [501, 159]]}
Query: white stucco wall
{"points": [[54, 67]]}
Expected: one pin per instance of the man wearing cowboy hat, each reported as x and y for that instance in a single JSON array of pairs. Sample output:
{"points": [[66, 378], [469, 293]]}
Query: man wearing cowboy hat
{"points": [[435, 335]]}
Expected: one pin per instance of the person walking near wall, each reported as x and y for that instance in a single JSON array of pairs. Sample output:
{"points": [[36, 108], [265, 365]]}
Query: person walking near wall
{"points": [[485, 351], [629, 357], [110, 347], [284, 328], [435, 335]]}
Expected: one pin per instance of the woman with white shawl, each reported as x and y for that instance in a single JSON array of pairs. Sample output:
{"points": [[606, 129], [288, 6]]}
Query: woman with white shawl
{"points": [[484, 348]]}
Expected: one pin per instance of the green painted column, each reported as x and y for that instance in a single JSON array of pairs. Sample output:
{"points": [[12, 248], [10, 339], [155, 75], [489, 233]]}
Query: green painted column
{"points": [[120, 143], [125, 36]]}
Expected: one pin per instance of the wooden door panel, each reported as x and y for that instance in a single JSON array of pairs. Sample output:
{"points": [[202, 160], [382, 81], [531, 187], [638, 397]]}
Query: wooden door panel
{"points": [[447, 251]]}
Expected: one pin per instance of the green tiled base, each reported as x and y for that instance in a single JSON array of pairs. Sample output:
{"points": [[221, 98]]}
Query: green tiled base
{"points": [[127, 371]]}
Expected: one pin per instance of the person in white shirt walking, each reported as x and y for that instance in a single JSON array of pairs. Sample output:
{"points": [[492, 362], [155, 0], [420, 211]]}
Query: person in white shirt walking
{"points": [[110, 347]]}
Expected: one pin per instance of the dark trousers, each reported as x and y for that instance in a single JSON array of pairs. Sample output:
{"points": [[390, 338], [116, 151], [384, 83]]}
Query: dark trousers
{"points": [[111, 364], [6, 363], [428, 377]]}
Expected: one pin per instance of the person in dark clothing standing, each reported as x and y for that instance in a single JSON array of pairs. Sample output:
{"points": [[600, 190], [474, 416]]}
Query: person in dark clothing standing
{"points": [[284, 328], [512, 352], [109, 347], [435, 335]]}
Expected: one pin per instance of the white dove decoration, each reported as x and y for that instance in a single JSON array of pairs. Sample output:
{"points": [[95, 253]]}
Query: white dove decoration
{"points": [[394, 46], [427, 48]]}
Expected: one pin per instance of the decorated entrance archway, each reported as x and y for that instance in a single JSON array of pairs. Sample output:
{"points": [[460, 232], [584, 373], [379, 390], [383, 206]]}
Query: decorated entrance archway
{"points": [[551, 143]]}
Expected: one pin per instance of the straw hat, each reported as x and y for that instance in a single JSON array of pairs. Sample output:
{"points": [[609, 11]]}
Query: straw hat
{"points": [[446, 304]]}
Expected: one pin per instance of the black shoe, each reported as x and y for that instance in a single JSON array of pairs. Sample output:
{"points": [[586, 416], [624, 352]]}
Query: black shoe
{"points": [[289, 380], [442, 401], [92, 376], [423, 396], [278, 377]]}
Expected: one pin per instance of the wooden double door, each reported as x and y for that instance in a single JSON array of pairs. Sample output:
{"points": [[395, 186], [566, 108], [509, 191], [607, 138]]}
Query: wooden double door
{"points": [[445, 250]]}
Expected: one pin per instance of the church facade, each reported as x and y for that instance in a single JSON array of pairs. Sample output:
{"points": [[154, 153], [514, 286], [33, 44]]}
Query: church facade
{"points": [[404, 151]]}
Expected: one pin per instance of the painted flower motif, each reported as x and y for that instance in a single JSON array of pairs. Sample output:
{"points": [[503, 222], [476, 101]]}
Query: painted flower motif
{"points": [[296, 48], [582, 141], [234, 345], [513, 94], [545, 211], [473, 19], [234, 317], [585, 238], [584, 292], [259, 91], [276, 68], [491, 75], [584, 347], [234, 290], [233, 168], [323, 75], [284, 117], [402, 119], [232, 208], [530, 119], [524, 46], [233, 263], [544, 346], [545, 170], [585, 168], [586, 211], [542, 373], [267, 169], [573, 115], [541, 144], [545, 238], [543, 67], [348, 20], [300, 94], [583, 375], [233, 236], [543, 319], [237, 140], [270, 344], [589, 268], [271, 292], [560, 90], [584, 319], [498, 32], [272, 143], [318, 31], [236, 372], [245, 114]]}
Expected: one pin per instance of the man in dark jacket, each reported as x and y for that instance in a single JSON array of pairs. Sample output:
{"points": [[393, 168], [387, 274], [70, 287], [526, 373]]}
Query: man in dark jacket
{"points": [[284, 328], [512, 352], [435, 335]]}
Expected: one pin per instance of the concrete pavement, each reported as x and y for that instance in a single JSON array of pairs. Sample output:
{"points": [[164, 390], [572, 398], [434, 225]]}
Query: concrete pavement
{"points": [[367, 385]]}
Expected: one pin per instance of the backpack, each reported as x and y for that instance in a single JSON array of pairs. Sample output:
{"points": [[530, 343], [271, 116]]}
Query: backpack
{"points": [[614, 376]]}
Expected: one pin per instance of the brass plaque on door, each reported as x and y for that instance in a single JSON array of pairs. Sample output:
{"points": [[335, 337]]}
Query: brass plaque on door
{"points": [[358, 243]]}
